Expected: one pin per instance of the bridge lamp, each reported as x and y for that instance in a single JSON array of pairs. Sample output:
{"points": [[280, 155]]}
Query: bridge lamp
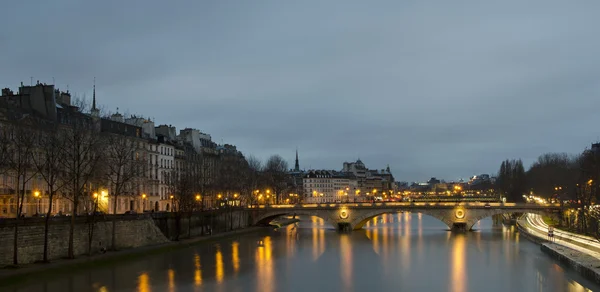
{"points": [[344, 213]]}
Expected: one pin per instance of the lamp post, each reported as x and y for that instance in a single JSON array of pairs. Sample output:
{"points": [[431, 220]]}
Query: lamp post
{"points": [[198, 201], [143, 203], [95, 195], [172, 204], [37, 195]]}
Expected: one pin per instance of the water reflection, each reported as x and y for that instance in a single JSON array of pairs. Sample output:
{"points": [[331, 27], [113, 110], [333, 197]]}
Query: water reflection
{"points": [[235, 256], [171, 273], [346, 261], [219, 271], [458, 263], [318, 237], [143, 283], [197, 270], [264, 266], [394, 252]]}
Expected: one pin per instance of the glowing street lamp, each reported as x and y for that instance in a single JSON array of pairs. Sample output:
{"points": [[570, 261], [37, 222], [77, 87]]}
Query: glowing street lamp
{"points": [[37, 195], [143, 202]]}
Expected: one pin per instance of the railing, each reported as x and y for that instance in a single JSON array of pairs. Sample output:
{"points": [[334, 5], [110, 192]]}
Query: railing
{"points": [[411, 205]]}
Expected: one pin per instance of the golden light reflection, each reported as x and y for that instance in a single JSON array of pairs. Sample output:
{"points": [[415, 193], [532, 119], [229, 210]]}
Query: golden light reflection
{"points": [[103, 289], [219, 270], [458, 264], [235, 257], [264, 263], [197, 270], [144, 283], [420, 227], [375, 240], [291, 240], [405, 244], [384, 237], [171, 274], [346, 261], [318, 239]]}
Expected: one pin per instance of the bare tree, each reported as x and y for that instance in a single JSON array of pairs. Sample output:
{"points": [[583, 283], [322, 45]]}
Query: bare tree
{"points": [[81, 158], [181, 187], [276, 174], [124, 167], [21, 146], [552, 174], [47, 161], [255, 175], [588, 187]]}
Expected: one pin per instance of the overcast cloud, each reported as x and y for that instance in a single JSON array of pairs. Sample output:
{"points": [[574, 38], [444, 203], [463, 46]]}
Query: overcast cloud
{"points": [[432, 88]]}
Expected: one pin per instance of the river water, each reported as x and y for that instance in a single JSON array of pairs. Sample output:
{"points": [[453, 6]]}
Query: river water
{"points": [[394, 252]]}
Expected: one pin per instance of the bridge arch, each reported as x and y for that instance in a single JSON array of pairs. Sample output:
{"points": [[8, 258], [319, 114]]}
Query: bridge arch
{"points": [[265, 217], [478, 216], [362, 218]]}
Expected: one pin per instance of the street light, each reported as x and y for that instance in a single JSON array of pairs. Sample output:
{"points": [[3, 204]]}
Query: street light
{"points": [[37, 195], [172, 203], [143, 203], [95, 195]]}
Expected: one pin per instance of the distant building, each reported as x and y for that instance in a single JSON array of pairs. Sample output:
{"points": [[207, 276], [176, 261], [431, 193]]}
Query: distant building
{"points": [[321, 186]]}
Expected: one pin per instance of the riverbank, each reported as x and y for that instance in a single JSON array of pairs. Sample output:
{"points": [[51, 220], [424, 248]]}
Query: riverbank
{"points": [[31, 272], [586, 264]]}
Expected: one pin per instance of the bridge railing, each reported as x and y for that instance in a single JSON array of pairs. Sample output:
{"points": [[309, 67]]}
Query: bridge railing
{"points": [[408, 204]]}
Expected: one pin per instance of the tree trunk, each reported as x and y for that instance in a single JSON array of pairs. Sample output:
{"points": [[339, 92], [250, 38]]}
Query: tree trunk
{"points": [[91, 225], [18, 212], [16, 241], [46, 224], [71, 252], [114, 225]]}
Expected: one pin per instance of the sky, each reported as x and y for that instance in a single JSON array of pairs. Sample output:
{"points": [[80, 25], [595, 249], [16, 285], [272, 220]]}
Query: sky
{"points": [[444, 89]]}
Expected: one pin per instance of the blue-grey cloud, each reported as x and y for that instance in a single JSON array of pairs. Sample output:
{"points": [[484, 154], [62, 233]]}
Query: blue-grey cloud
{"points": [[445, 89]]}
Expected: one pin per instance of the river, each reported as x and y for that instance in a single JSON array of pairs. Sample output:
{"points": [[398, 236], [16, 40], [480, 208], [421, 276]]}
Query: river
{"points": [[394, 252]]}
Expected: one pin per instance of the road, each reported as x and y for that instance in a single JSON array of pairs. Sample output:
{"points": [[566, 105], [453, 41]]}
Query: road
{"points": [[536, 225]]}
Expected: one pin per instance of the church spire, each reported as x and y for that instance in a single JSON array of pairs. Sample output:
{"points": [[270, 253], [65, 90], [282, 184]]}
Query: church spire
{"points": [[95, 112], [297, 165], [94, 99]]}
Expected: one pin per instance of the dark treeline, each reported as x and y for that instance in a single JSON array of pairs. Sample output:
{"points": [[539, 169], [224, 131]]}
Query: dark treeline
{"points": [[572, 180]]}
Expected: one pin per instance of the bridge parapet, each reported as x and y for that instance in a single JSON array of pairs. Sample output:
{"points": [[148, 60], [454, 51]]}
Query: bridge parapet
{"points": [[457, 216]]}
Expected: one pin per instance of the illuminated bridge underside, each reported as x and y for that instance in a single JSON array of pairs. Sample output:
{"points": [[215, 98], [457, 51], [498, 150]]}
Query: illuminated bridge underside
{"points": [[352, 216]]}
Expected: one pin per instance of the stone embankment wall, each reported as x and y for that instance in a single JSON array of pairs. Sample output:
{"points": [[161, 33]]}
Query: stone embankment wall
{"points": [[587, 265], [131, 231], [199, 224]]}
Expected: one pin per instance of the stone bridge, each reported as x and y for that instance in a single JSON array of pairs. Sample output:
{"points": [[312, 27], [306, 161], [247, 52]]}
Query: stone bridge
{"points": [[459, 216]]}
